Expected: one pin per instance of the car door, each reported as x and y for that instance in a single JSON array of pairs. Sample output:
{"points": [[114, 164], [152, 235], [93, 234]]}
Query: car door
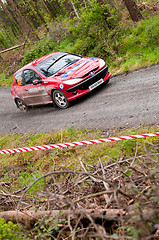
{"points": [[33, 94], [19, 88]]}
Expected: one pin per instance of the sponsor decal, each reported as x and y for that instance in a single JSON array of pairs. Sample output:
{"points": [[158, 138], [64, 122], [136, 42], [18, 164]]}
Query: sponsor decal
{"points": [[19, 81], [61, 86], [92, 73], [41, 88], [33, 90], [37, 89]]}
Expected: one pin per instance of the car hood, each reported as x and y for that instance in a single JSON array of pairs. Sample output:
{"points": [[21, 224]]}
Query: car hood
{"points": [[79, 69]]}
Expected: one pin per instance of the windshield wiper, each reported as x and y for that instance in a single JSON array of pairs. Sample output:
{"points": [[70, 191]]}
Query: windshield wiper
{"points": [[43, 70], [56, 61], [59, 73]]}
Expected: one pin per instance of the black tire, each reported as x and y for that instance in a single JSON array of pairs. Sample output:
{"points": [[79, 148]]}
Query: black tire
{"points": [[60, 99], [21, 105]]}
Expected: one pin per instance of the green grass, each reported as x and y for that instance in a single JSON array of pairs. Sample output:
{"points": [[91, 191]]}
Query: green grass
{"points": [[139, 47], [5, 80], [40, 162], [21, 170]]}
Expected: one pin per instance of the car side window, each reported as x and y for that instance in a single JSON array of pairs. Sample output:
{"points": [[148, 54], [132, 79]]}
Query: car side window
{"points": [[29, 76], [19, 78]]}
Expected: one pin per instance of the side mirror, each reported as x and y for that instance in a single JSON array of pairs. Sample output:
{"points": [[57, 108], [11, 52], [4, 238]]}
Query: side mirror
{"points": [[37, 81]]}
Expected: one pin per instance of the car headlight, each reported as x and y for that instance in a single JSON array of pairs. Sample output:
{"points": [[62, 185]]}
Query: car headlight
{"points": [[72, 81], [101, 63]]}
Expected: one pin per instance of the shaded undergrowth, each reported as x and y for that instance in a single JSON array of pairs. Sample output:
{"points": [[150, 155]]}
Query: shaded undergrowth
{"points": [[105, 177]]}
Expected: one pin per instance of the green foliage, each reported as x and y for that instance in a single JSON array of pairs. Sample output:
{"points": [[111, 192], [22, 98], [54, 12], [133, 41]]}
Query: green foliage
{"points": [[41, 48], [40, 161], [98, 32], [129, 151], [35, 137], [146, 34], [58, 30], [95, 21], [132, 231], [140, 45], [5, 80], [3, 41], [78, 35], [7, 39], [47, 227], [26, 178], [71, 131], [9, 231]]}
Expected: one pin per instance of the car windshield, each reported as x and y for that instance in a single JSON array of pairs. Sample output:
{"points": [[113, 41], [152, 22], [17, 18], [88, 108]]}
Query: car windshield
{"points": [[56, 63]]}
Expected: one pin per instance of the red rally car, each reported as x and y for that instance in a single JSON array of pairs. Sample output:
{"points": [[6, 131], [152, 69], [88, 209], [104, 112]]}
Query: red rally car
{"points": [[59, 78]]}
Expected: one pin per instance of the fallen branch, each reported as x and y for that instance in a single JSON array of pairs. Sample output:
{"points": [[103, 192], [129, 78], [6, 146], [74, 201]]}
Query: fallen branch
{"points": [[12, 48], [29, 218]]}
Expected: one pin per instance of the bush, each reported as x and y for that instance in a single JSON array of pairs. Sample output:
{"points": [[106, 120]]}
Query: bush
{"points": [[7, 39], [5, 80], [8, 231], [58, 30], [94, 20], [41, 48], [91, 30]]}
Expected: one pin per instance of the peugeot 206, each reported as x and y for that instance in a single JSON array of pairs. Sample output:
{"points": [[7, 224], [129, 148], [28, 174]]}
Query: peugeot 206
{"points": [[57, 78]]}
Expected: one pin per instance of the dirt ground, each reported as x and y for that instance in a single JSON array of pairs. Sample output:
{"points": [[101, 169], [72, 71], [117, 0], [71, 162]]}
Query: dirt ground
{"points": [[129, 99]]}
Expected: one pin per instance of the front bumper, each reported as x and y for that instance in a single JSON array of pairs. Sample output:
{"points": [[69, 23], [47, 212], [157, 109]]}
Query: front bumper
{"points": [[89, 81], [80, 92]]}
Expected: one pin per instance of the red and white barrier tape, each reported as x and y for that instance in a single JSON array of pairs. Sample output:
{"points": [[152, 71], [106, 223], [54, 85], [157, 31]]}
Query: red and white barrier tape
{"points": [[73, 144]]}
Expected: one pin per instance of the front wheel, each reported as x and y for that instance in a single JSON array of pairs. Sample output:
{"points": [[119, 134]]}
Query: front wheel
{"points": [[107, 81], [60, 99], [21, 105]]}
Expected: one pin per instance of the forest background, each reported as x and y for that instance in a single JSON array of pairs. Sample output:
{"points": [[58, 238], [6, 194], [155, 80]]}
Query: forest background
{"points": [[124, 33], [120, 177]]}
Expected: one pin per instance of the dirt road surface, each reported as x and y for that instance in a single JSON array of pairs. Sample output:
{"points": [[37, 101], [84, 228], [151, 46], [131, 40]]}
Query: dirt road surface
{"points": [[127, 101]]}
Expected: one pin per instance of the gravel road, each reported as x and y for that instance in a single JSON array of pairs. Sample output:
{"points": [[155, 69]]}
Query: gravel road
{"points": [[128, 100]]}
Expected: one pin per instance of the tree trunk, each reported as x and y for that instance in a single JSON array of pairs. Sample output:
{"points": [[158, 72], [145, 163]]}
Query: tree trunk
{"points": [[57, 6], [69, 8], [14, 24], [106, 15], [7, 12], [27, 28], [74, 9], [38, 14], [134, 11], [29, 218], [45, 7], [1, 25], [12, 48]]}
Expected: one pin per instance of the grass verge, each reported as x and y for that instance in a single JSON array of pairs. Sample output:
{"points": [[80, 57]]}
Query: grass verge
{"points": [[42, 161], [117, 175]]}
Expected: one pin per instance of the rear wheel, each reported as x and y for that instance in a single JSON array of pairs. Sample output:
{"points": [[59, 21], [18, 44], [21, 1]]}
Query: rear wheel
{"points": [[21, 105], [60, 99]]}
